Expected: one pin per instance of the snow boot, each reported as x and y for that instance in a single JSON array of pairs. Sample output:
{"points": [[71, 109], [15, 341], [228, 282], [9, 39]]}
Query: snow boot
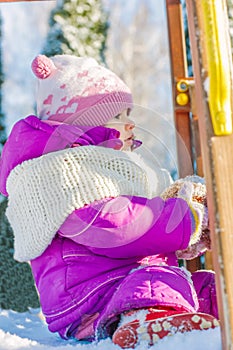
{"points": [[153, 325]]}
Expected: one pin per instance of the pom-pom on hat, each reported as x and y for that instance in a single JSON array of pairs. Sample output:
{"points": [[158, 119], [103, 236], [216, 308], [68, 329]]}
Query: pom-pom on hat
{"points": [[77, 90]]}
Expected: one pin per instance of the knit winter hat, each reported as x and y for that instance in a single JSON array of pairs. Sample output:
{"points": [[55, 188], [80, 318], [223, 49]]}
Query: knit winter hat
{"points": [[77, 90]]}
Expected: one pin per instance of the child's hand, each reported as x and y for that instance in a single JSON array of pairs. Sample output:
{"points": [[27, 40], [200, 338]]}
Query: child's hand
{"points": [[188, 192], [193, 190], [196, 249]]}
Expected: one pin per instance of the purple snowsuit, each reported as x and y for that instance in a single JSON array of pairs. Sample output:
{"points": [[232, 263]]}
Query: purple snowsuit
{"points": [[124, 259]]}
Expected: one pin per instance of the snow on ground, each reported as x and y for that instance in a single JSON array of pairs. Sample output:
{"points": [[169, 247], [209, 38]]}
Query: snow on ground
{"points": [[23, 331]]}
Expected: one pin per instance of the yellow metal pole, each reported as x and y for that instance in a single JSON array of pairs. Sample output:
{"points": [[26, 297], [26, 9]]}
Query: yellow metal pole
{"points": [[218, 66]]}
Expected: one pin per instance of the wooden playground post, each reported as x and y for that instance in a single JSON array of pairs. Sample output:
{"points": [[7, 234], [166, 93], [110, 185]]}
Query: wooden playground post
{"points": [[212, 63], [179, 71]]}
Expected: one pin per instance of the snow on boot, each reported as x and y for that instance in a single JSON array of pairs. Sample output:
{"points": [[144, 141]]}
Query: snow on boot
{"points": [[153, 326]]}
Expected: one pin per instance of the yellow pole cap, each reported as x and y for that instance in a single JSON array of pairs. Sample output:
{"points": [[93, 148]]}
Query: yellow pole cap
{"points": [[182, 99]]}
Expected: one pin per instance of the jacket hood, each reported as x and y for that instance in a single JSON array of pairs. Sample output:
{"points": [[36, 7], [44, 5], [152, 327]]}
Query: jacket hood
{"points": [[30, 138]]}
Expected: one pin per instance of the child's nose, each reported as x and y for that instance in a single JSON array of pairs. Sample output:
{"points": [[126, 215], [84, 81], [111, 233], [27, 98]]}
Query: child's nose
{"points": [[129, 125]]}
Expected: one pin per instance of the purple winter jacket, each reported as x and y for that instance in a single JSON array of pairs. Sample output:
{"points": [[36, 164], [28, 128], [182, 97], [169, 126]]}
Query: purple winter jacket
{"points": [[125, 256]]}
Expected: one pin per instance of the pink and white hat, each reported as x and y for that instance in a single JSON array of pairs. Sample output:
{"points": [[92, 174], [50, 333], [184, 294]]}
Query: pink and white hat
{"points": [[77, 90]]}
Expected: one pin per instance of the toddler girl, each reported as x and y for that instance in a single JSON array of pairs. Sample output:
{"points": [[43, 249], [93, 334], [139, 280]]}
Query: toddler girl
{"points": [[100, 231]]}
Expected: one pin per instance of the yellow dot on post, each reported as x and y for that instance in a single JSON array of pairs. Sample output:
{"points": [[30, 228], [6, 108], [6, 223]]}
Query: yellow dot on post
{"points": [[182, 99]]}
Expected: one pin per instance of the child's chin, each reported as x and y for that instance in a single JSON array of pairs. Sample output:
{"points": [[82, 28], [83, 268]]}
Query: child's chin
{"points": [[126, 148]]}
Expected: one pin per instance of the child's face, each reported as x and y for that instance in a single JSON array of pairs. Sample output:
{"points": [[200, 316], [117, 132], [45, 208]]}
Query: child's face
{"points": [[125, 126]]}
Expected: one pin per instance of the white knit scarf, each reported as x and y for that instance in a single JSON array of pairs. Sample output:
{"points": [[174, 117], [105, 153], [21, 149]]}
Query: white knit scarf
{"points": [[45, 190]]}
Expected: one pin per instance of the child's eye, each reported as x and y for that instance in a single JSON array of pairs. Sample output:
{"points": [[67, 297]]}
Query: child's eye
{"points": [[118, 116]]}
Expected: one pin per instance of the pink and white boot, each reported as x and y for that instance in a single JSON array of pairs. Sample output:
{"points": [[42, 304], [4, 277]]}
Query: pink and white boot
{"points": [[151, 325]]}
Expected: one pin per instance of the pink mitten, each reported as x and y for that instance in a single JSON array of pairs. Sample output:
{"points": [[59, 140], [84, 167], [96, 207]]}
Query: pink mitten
{"points": [[196, 249], [193, 190]]}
